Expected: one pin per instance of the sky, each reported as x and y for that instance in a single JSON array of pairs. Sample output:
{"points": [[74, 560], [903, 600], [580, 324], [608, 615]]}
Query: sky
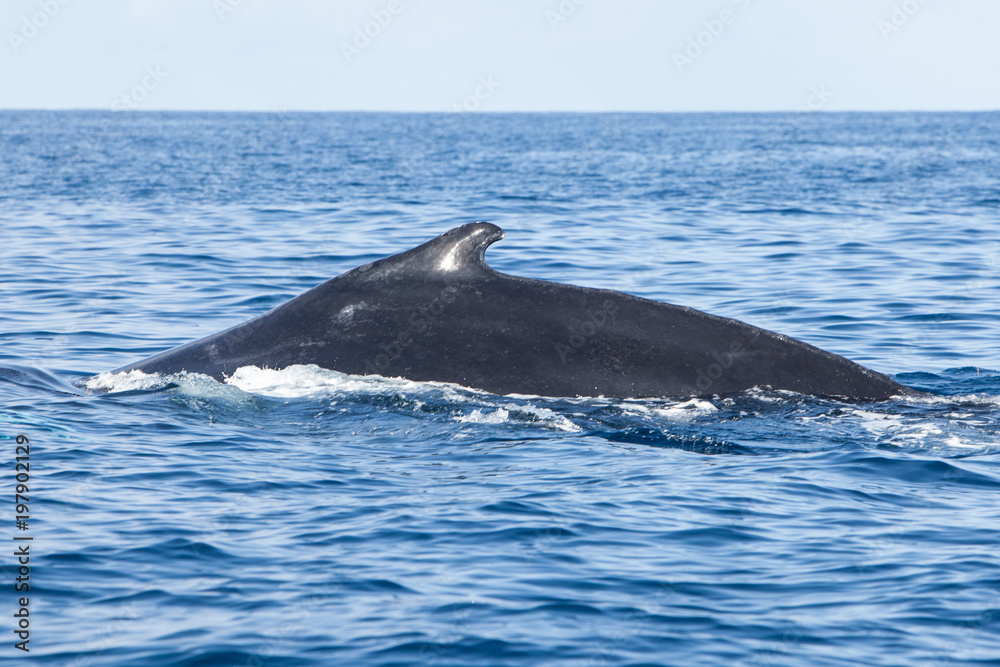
{"points": [[501, 55]]}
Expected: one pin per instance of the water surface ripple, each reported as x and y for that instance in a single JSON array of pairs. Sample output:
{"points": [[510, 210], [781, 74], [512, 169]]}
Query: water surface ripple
{"points": [[304, 517]]}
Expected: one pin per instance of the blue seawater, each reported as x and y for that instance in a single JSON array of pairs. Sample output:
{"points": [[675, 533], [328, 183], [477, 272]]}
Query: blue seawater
{"points": [[303, 517]]}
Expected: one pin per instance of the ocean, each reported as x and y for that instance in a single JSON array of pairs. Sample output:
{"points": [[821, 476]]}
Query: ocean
{"points": [[306, 517]]}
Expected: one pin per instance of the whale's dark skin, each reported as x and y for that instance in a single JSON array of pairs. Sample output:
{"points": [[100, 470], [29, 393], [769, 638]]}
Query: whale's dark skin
{"points": [[439, 312]]}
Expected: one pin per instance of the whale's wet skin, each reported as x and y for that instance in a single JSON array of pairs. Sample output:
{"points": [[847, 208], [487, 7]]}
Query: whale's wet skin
{"points": [[304, 517], [439, 312]]}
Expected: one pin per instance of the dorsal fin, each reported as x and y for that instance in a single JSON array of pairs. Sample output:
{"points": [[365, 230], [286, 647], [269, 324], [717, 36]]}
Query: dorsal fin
{"points": [[457, 251]]}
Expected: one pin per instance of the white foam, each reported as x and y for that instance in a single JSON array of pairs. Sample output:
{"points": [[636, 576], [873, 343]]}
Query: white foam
{"points": [[917, 432], [310, 380], [955, 441], [499, 416], [545, 415], [291, 382], [975, 399], [770, 395], [515, 413], [908, 431], [313, 381], [687, 410], [125, 381], [877, 422]]}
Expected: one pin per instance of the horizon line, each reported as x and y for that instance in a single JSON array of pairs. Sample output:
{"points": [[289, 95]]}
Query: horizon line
{"points": [[499, 112]]}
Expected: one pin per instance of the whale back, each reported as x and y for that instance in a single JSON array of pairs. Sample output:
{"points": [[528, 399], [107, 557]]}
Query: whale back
{"points": [[438, 312]]}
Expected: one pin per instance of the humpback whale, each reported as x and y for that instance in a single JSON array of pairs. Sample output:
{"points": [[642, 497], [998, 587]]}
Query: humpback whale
{"points": [[438, 312]]}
